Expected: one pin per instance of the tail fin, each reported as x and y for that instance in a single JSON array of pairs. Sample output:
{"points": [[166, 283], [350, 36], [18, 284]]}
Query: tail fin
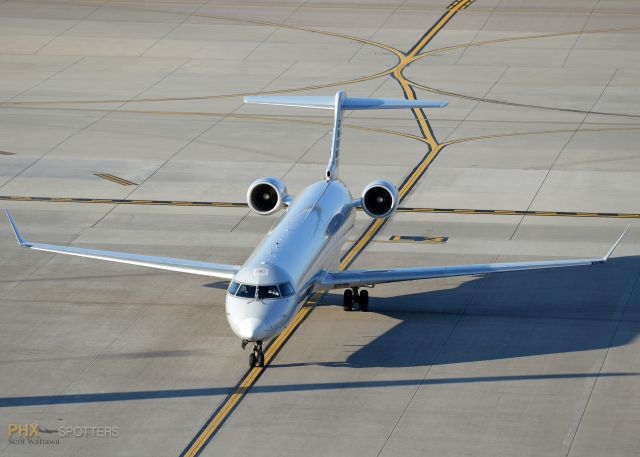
{"points": [[339, 103]]}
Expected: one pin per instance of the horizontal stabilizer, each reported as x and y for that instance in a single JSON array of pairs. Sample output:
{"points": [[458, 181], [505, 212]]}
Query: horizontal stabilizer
{"points": [[310, 101], [354, 103], [339, 103], [348, 103]]}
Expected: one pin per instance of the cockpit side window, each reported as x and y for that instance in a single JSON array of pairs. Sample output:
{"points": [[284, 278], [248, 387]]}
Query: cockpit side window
{"points": [[286, 289], [246, 291], [233, 288], [268, 292]]}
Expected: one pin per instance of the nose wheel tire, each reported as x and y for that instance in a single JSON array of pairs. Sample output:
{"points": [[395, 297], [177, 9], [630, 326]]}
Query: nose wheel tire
{"points": [[347, 300], [256, 358]]}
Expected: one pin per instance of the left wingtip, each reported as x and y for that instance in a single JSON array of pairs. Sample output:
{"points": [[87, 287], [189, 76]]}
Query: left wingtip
{"points": [[16, 230]]}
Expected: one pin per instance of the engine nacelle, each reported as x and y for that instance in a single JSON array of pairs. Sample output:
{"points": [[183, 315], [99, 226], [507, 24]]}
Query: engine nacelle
{"points": [[380, 199], [267, 195]]}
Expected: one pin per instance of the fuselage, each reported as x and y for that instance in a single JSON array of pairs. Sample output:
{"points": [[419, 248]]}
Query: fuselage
{"points": [[284, 268]]}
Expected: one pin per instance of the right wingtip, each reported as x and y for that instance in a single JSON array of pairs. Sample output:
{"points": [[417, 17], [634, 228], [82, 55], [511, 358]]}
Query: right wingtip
{"points": [[615, 245], [16, 230]]}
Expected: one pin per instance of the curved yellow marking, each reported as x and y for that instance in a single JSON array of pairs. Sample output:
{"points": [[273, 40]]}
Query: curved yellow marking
{"points": [[434, 146], [508, 39], [524, 37], [539, 132]]}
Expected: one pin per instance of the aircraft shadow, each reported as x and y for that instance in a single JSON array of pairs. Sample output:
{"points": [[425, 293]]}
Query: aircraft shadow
{"points": [[506, 315]]}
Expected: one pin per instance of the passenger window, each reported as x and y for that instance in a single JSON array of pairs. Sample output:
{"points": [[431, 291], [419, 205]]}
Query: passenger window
{"points": [[246, 291], [233, 287], [268, 292], [286, 289]]}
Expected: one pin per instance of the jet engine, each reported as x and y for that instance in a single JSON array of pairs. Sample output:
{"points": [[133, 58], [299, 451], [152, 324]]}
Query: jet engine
{"points": [[267, 195], [379, 199]]}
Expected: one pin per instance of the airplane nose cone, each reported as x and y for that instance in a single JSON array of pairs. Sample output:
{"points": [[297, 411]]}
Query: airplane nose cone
{"points": [[251, 328]]}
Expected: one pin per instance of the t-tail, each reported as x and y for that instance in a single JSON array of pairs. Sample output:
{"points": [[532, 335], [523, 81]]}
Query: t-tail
{"points": [[339, 103]]}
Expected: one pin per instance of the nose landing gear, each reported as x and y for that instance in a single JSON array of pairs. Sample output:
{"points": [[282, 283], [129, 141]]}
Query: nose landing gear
{"points": [[256, 358], [352, 296]]}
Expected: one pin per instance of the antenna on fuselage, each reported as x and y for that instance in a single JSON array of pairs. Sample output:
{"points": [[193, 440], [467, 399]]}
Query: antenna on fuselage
{"points": [[339, 103]]}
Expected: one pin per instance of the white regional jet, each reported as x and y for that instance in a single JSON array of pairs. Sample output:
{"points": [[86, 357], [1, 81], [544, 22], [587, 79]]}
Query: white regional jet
{"points": [[301, 252]]}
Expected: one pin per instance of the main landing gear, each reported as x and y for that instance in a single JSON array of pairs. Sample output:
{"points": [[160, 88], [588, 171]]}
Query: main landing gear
{"points": [[256, 358], [352, 296]]}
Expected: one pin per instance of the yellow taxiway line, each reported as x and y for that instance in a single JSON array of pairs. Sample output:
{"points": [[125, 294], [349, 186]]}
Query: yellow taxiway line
{"points": [[425, 129], [249, 379], [222, 413]]}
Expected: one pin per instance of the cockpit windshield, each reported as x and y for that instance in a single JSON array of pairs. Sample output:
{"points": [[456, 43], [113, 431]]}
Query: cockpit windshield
{"points": [[260, 292], [246, 290], [268, 292]]}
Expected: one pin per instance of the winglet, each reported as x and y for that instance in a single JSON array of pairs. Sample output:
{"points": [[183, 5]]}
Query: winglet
{"points": [[24, 243], [615, 245]]}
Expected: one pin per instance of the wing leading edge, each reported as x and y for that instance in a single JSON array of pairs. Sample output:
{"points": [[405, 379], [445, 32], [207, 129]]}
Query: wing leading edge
{"points": [[357, 278], [216, 270]]}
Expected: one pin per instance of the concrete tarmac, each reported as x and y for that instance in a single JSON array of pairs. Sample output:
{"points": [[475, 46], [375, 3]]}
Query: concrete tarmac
{"points": [[544, 115]]}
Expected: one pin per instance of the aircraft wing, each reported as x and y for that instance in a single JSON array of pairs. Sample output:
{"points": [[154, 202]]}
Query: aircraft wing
{"points": [[216, 270], [357, 278]]}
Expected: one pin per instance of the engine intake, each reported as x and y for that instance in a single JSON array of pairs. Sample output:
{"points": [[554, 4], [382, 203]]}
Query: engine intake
{"points": [[267, 195], [380, 199]]}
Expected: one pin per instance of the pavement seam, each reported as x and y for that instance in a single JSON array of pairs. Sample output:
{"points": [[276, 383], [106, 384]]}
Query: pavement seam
{"points": [[48, 78], [103, 116], [180, 149], [466, 117], [275, 29], [484, 24], [78, 21], [169, 32], [137, 186], [285, 173], [435, 361], [393, 11], [564, 147], [604, 359], [573, 45]]}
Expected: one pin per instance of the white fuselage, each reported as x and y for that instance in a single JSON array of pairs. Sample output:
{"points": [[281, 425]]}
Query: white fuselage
{"points": [[304, 242]]}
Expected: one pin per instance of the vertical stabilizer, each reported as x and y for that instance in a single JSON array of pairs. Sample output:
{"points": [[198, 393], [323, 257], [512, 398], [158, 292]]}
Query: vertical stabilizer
{"points": [[338, 104], [332, 166]]}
